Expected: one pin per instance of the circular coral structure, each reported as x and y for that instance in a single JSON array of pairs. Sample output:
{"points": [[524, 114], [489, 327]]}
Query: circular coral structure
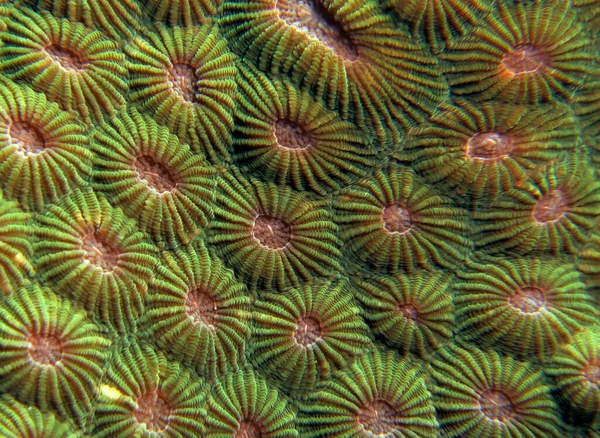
{"points": [[350, 56], [481, 394], [52, 354], [482, 150], [576, 370], [273, 237], [523, 306], [18, 421], [525, 52], [76, 67], [378, 395], [283, 135], [302, 335], [197, 311], [15, 247], [147, 172], [553, 212], [441, 21], [413, 313], [43, 150], [144, 395], [92, 251], [119, 20], [185, 77], [242, 404], [393, 222], [185, 12]]}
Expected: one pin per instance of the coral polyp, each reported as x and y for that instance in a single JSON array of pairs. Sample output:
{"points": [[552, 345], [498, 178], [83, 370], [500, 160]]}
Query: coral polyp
{"points": [[378, 395], [144, 169], [183, 12], [76, 67], [197, 311], [301, 335], [18, 420], [52, 354], [273, 237], [394, 222], [283, 135]]}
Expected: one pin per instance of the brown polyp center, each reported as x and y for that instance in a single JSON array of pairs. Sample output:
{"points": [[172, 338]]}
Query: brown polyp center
{"points": [[528, 300], [315, 20], [396, 219], [153, 410], [496, 405], [489, 146], [98, 252], [592, 372], [308, 330], [183, 80], [248, 429], [378, 418], [409, 312], [271, 232], [550, 208], [524, 59], [289, 135], [27, 137], [156, 175], [201, 307], [45, 350], [67, 59]]}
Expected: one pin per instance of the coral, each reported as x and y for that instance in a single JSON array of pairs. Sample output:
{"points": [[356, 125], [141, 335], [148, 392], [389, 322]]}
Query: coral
{"points": [[350, 55], [576, 370], [92, 251], [147, 172], [76, 67], [442, 21], [482, 394], [144, 395], [378, 395], [15, 247], [43, 150], [586, 105], [197, 311], [481, 150], [588, 11], [51, 353], [273, 237], [551, 213], [588, 261], [19, 421], [300, 336], [528, 307], [393, 222], [242, 404], [185, 77], [413, 313], [527, 53], [186, 12]]}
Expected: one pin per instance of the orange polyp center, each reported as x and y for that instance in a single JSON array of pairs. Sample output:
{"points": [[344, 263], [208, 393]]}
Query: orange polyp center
{"points": [[183, 80], [409, 312], [592, 373], [289, 135], [201, 307], [312, 18], [153, 411], [524, 59], [98, 252], [67, 59], [396, 219], [528, 300], [308, 331], [378, 418], [271, 232], [45, 350], [550, 208], [154, 174], [248, 429], [496, 405], [489, 146], [27, 137]]}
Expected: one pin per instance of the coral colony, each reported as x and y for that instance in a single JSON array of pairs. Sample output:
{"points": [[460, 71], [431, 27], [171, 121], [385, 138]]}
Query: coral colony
{"points": [[299, 218]]}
